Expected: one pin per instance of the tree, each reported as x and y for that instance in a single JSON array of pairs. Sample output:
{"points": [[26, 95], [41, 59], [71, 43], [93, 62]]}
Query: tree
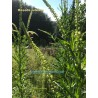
{"points": [[39, 20]]}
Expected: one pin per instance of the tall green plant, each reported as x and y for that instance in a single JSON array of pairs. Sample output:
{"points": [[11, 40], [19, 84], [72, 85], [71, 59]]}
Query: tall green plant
{"points": [[20, 73], [20, 61], [70, 55]]}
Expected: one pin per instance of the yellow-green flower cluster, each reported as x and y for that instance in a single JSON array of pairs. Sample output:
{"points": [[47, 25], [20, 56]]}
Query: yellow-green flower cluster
{"points": [[41, 56]]}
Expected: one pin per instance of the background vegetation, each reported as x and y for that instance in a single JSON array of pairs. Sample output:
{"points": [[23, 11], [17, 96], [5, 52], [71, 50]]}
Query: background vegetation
{"points": [[39, 20]]}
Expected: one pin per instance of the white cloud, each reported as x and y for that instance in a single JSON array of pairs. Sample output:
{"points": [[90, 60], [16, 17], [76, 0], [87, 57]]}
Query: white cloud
{"points": [[47, 11], [83, 1]]}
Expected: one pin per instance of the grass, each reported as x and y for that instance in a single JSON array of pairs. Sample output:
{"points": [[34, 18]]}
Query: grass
{"points": [[34, 64]]}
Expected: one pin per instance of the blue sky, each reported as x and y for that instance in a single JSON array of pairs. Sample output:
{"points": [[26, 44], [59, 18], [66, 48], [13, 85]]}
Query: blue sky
{"points": [[40, 4]]}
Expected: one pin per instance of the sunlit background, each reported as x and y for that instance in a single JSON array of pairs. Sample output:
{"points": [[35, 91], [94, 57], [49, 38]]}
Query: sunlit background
{"points": [[40, 4]]}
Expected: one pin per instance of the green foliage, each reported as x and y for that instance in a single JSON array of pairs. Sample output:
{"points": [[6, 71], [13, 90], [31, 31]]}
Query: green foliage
{"points": [[21, 79], [70, 57], [20, 73]]}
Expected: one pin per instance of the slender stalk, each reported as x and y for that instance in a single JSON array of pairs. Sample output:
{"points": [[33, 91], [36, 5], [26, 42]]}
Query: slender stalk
{"points": [[20, 29]]}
